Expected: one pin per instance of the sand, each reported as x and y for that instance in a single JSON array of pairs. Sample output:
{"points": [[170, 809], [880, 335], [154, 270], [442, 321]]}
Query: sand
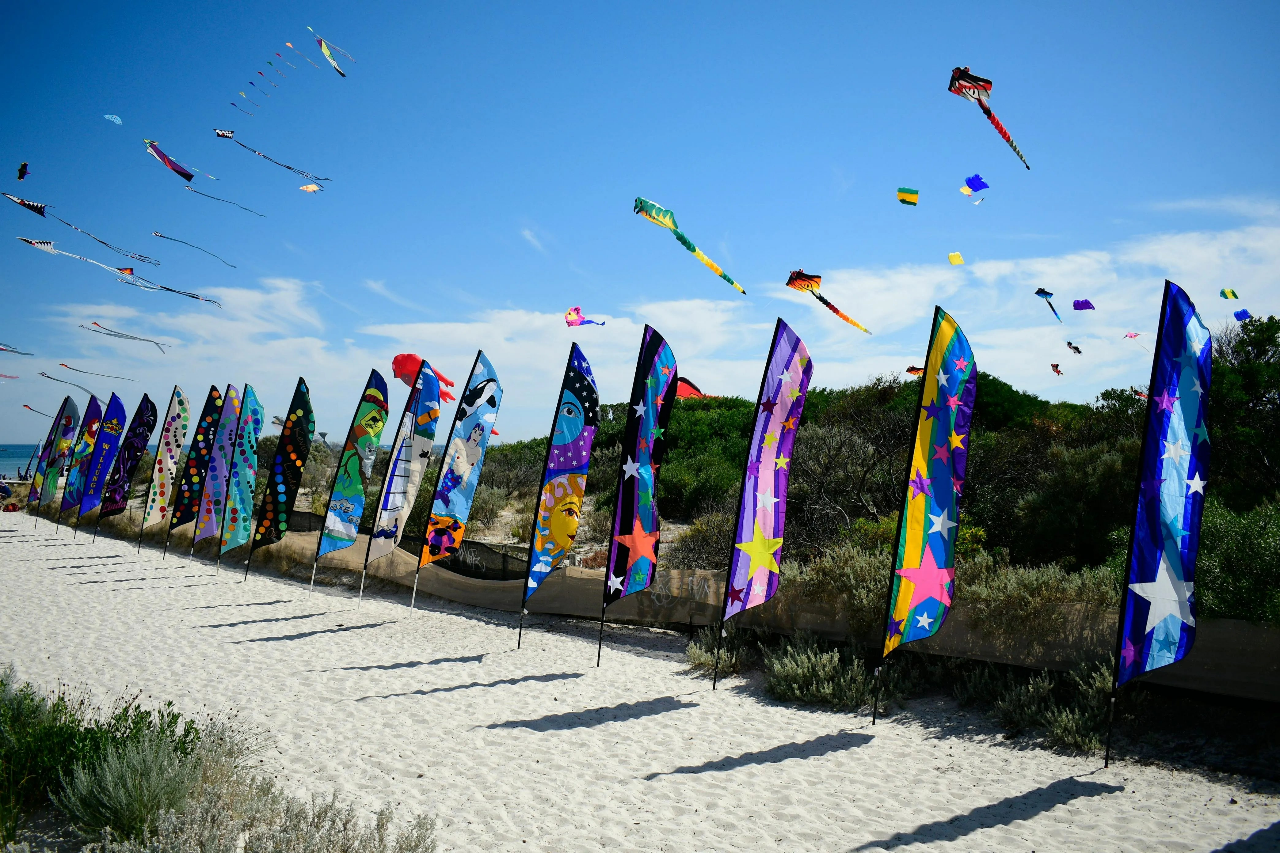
{"points": [[537, 750]]}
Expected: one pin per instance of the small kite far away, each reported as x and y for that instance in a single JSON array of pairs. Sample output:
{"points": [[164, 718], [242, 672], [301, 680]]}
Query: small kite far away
{"points": [[1082, 305], [192, 245], [325, 49], [1243, 314], [661, 216], [971, 87], [112, 333], [23, 172], [956, 259], [42, 210], [231, 134], [115, 119], [1055, 369], [90, 373], [37, 411], [915, 371], [573, 317], [1228, 293], [1075, 349], [65, 382], [805, 283], [973, 184], [311, 188], [908, 196], [300, 53], [1046, 296], [13, 350]]}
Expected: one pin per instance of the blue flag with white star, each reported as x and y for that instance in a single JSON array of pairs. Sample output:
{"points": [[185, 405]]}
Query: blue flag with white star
{"points": [[1158, 611]]}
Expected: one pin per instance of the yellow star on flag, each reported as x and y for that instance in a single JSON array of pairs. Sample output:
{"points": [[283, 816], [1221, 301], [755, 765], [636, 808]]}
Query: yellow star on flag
{"points": [[770, 439], [761, 551], [782, 461], [957, 440], [793, 393]]}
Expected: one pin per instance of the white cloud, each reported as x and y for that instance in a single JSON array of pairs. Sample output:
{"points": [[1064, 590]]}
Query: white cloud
{"points": [[380, 288], [532, 238]]}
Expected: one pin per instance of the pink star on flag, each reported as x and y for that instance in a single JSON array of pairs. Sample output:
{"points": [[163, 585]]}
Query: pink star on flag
{"points": [[942, 451], [953, 400], [928, 580], [962, 363]]}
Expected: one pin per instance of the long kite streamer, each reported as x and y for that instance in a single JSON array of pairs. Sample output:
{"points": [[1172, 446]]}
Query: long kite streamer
{"points": [[275, 513], [87, 373], [1158, 609], [187, 505], [754, 572], [661, 216], [463, 459], [355, 468], [230, 134], [112, 333], [115, 497], [168, 449], [13, 350], [37, 411], [225, 201], [192, 245], [805, 283], [174, 166], [409, 455], [324, 48], [971, 87], [43, 210], [924, 562], [300, 53], [564, 477], [65, 382], [78, 467], [124, 275], [633, 546], [1046, 296]]}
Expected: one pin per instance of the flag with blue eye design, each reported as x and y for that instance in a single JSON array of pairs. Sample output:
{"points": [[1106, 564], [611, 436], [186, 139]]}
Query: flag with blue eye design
{"points": [[564, 479], [1158, 613]]}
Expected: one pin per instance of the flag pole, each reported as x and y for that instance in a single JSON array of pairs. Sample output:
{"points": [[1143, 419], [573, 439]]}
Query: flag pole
{"points": [[533, 526], [1133, 531], [439, 473], [902, 517]]}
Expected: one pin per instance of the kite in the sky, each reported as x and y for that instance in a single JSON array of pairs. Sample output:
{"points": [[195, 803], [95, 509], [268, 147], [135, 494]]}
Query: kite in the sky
{"points": [[661, 216], [90, 373], [300, 53], [7, 376], [22, 171], [37, 411], [1243, 314], [325, 49], [573, 317], [264, 77], [1131, 334], [225, 201], [177, 168], [956, 259], [973, 184], [125, 275], [1055, 369], [805, 283], [1228, 293], [116, 119], [311, 188], [915, 371], [194, 246], [971, 87], [906, 195], [65, 382], [686, 390], [42, 210], [1082, 305], [1075, 349], [979, 201], [237, 106], [277, 70], [256, 89], [112, 333], [287, 62], [406, 366], [13, 350], [231, 134], [1046, 296], [246, 97]]}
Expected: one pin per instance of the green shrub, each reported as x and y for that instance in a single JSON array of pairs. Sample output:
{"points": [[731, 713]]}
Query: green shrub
{"points": [[1238, 570], [802, 670], [488, 502], [738, 650], [845, 577]]}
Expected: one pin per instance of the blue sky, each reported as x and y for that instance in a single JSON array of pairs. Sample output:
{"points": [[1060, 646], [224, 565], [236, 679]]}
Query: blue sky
{"points": [[484, 162]]}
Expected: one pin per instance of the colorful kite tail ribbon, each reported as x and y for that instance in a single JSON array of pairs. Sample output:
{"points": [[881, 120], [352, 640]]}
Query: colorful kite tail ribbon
{"points": [[715, 268], [1004, 134], [843, 316], [246, 112], [224, 201]]}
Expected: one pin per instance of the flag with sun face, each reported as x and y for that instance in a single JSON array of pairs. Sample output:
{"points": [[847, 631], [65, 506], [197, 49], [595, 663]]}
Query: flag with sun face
{"points": [[633, 550], [924, 567], [753, 571], [1158, 614]]}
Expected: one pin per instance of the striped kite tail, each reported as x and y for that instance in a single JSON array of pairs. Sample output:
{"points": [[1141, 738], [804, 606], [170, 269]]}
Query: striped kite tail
{"points": [[715, 268], [1004, 134], [843, 316]]}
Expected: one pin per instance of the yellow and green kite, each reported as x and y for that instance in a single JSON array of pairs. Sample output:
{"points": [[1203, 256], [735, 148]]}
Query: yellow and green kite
{"points": [[661, 216]]}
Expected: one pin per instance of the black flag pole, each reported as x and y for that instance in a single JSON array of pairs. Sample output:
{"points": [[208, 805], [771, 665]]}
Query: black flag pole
{"points": [[1137, 495], [533, 524]]}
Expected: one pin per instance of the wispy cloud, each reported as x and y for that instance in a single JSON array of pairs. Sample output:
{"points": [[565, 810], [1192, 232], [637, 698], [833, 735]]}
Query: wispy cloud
{"points": [[1250, 208], [380, 288], [527, 234]]}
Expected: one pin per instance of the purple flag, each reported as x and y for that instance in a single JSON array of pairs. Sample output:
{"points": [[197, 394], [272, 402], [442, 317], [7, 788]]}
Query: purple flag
{"points": [[209, 521], [115, 497]]}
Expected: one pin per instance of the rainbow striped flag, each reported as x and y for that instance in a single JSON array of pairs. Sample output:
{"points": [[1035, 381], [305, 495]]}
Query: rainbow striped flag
{"points": [[924, 566], [906, 195]]}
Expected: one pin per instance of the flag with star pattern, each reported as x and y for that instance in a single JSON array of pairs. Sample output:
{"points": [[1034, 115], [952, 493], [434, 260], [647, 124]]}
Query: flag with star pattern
{"points": [[633, 549], [924, 565], [762, 512], [564, 478], [1158, 613]]}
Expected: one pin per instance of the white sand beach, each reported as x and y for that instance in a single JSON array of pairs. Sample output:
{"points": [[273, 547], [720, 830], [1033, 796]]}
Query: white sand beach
{"points": [[538, 750]]}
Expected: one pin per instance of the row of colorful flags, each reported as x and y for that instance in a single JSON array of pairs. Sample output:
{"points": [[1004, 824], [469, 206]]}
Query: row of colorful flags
{"points": [[215, 488]]}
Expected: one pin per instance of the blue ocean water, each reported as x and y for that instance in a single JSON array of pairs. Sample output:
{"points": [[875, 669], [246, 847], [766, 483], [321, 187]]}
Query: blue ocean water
{"points": [[14, 457]]}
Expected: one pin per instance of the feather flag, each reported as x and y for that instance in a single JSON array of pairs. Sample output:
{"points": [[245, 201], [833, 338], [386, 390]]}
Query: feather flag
{"points": [[46, 449], [168, 448], [105, 449], [63, 445], [276, 511], [1158, 609], [355, 468], [463, 460], [564, 476], [186, 505], [633, 546], [754, 572], [409, 456], [924, 563], [78, 468], [237, 516], [115, 497], [661, 216], [214, 494]]}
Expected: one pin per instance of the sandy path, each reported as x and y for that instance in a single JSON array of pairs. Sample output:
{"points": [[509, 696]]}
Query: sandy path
{"points": [[537, 750]]}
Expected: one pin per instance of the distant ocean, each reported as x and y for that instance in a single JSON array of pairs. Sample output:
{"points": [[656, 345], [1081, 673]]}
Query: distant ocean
{"points": [[13, 458]]}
